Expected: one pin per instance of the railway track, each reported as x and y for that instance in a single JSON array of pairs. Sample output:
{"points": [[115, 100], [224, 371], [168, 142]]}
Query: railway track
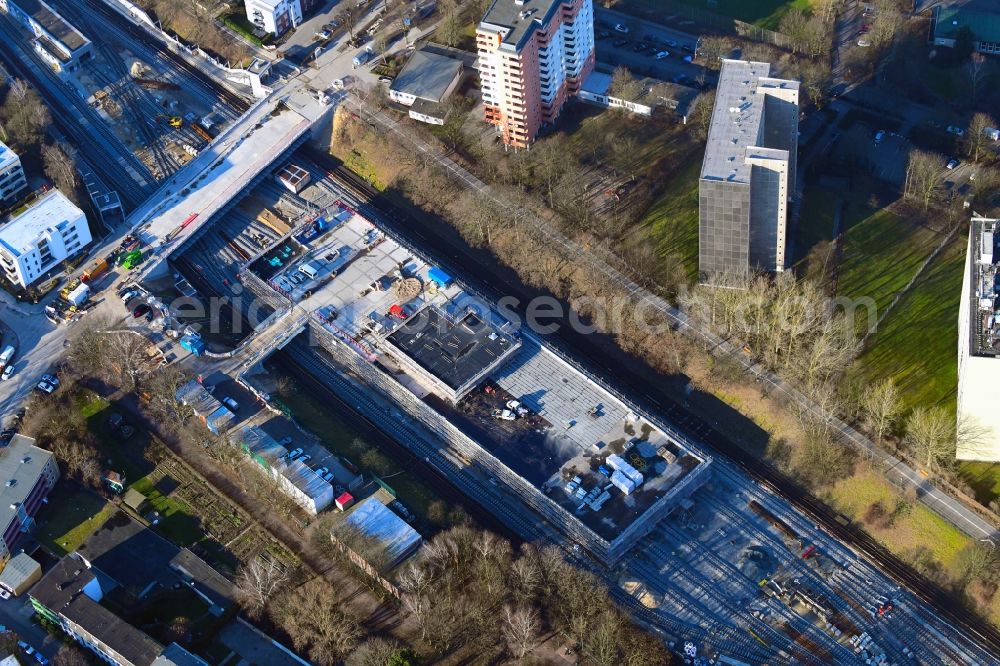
{"points": [[102, 149], [575, 345], [235, 101]]}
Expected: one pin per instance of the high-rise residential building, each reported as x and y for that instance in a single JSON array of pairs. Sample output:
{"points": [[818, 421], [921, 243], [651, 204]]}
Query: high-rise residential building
{"points": [[36, 239], [12, 180], [979, 345], [748, 175], [533, 56], [277, 16]]}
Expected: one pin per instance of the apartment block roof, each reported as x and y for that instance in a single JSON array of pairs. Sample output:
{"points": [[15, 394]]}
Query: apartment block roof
{"points": [[427, 76], [7, 156], [737, 119], [61, 590], [518, 18], [19, 232], [53, 23], [980, 16], [21, 464]]}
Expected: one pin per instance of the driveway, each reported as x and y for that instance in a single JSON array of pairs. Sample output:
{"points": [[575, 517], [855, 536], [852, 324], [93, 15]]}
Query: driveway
{"points": [[18, 616]]}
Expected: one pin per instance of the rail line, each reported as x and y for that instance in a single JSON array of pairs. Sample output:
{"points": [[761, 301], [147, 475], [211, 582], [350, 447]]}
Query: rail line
{"points": [[570, 343]]}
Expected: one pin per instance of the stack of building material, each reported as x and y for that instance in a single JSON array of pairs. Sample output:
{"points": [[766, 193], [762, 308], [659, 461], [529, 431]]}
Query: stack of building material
{"points": [[619, 464]]}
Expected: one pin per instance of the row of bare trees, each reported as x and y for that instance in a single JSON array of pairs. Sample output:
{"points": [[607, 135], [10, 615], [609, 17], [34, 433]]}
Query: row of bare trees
{"points": [[792, 326], [471, 588]]}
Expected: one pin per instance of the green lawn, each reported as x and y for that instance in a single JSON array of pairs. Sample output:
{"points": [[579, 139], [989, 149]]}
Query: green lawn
{"points": [[915, 345], [177, 520], [918, 527], [765, 13], [880, 255], [71, 515], [672, 220]]}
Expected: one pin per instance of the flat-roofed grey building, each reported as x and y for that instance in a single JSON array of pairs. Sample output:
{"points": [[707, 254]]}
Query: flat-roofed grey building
{"points": [[748, 174]]}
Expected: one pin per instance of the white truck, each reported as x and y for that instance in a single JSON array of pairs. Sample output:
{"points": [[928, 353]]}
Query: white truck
{"points": [[78, 296], [6, 356], [992, 133]]}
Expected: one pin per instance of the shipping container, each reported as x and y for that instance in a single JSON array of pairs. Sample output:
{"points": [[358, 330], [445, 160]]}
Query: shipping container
{"points": [[94, 270], [193, 344]]}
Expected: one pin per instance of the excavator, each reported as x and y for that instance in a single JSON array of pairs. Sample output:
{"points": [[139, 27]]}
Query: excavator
{"points": [[174, 121]]}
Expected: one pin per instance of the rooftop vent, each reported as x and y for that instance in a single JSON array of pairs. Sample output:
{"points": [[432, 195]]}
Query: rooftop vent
{"points": [[733, 109], [12, 483], [25, 460], [520, 3]]}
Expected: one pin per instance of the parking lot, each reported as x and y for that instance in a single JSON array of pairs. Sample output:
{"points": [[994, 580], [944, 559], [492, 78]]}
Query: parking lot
{"points": [[641, 48]]}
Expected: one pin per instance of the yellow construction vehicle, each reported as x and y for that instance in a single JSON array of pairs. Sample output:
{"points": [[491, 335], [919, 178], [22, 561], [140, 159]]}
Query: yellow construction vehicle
{"points": [[176, 122]]}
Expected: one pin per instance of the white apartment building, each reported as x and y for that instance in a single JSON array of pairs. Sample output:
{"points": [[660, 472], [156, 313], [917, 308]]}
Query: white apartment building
{"points": [[277, 16], [12, 180], [37, 239], [979, 344]]}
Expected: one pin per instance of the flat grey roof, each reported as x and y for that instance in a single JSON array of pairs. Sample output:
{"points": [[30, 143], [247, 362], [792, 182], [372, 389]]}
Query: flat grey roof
{"points": [[736, 119], [21, 462], [427, 76], [506, 15], [453, 350], [53, 23]]}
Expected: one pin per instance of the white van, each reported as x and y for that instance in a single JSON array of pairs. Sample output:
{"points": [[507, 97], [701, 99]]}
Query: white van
{"points": [[6, 355]]}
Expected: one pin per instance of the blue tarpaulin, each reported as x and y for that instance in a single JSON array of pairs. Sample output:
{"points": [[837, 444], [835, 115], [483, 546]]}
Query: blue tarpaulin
{"points": [[439, 277]]}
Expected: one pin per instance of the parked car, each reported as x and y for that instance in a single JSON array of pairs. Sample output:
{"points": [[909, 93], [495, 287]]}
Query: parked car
{"points": [[879, 135], [618, 43], [864, 41], [957, 131], [328, 477], [51, 379], [321, 471], [323, 34], [28, 650], [688, 48], [622, 28], [688, 58], [231, 404], [4, 593], [304, 458], [671, 43], [662, 54], [129, 295], [338, 84], [952, 163], [294, 453], [603, 34], [140, 310], [40, 658], [45, 387], [7, 372]]}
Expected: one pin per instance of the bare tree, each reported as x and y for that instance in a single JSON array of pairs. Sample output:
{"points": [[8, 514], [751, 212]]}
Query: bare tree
{"points": [[375, 651], [922, 171], [930, 436], [975, 136], [880, 406], [977, 70], [311, 615], [887, 21], [60, 167], [624, 85], [70, 655], [450, 26], [349, 17], [520, 630], [258, 583]]}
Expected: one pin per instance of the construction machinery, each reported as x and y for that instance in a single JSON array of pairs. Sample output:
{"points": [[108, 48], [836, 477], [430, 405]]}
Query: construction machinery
{"points": [[156, 84]]}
